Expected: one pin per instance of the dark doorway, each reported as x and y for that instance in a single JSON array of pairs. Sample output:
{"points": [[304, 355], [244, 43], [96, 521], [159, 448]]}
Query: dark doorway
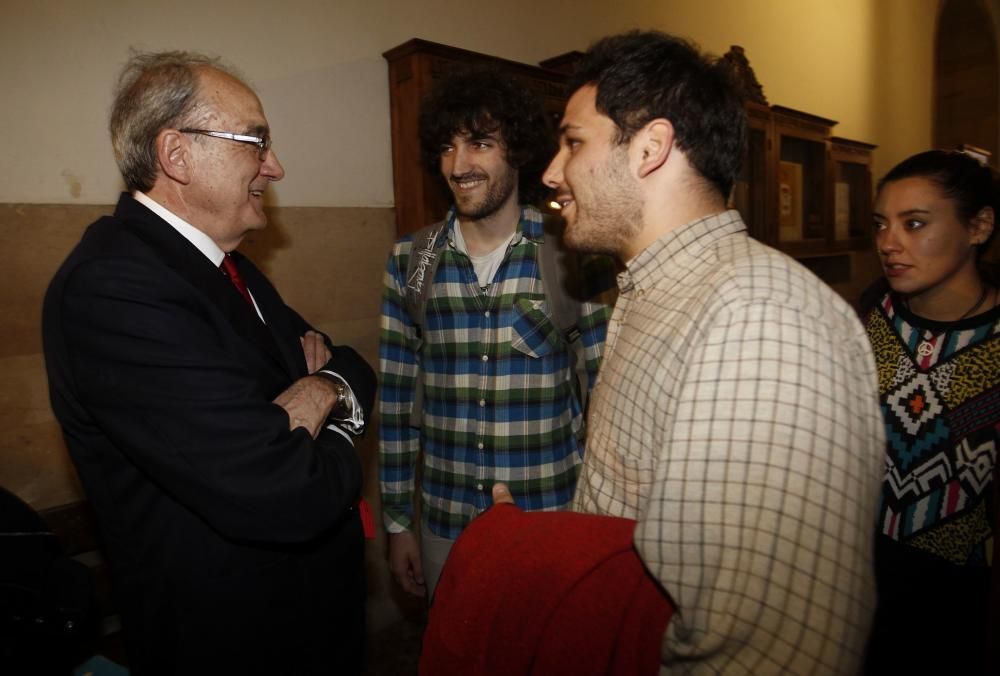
{"points": [[966, 92]]}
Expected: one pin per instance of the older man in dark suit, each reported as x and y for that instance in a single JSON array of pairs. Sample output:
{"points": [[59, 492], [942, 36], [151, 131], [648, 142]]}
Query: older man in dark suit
{"points": [[211, 427]]}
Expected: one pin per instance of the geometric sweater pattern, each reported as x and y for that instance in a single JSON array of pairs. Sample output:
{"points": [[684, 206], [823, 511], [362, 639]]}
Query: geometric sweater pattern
{"points": [[939, 386]]}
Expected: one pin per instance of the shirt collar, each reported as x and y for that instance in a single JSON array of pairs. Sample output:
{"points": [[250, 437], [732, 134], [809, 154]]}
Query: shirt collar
{"points": [[687, 241], [530, 225], [199, 239]]}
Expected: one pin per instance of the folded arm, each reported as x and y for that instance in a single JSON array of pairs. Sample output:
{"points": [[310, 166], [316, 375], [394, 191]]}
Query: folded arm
{"points": [[155, 368]]}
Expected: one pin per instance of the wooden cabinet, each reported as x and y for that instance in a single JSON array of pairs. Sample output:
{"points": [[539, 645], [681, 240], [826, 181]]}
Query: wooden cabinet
{"points": [[800, 189], [421, 197], [751, 189], [824, 186], [803, 180], [852, 192]]}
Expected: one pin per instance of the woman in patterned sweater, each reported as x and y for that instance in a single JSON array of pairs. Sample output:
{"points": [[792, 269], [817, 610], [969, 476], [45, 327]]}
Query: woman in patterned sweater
{"points": [[934, 323]]}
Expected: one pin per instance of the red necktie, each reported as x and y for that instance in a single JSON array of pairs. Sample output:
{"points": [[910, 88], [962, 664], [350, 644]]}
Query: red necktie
{"points": [[229, 268]]}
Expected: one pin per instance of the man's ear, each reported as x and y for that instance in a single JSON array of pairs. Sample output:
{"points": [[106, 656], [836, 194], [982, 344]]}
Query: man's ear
{"points": [[982, 225], [653, 144], [173, 154]]}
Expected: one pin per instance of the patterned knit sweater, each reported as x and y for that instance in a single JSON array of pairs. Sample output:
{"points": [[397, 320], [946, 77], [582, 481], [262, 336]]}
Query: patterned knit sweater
{"points": [[939, 384]]}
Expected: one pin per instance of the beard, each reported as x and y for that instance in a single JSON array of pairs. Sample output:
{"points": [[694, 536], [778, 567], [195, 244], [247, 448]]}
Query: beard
{"points": [[496, 197], [608, 211]]}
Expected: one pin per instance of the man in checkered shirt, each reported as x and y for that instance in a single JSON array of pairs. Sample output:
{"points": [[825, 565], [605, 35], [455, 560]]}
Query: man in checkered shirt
{"points": [[496, 371], [736, 413]]}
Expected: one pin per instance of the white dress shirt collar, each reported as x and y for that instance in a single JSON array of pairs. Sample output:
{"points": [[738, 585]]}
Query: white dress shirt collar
{"points": [[199, 239]]}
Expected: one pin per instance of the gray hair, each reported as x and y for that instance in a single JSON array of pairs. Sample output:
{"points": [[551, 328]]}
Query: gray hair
{"points": [[155, 91]]}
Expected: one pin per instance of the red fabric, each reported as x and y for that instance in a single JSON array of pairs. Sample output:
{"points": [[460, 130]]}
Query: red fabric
{"points": [[229, 267], [367, 520], [545, 593]]}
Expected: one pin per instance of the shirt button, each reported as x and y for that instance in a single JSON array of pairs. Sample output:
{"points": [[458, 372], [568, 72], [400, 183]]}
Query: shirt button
{"points": [[486, 357], [481, 445], [479, 487], [482, 402], [487, 313]]}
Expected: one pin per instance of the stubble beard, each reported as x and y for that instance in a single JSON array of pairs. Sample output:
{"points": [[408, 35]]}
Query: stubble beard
{"points": [[496, 197], [612, 214]]}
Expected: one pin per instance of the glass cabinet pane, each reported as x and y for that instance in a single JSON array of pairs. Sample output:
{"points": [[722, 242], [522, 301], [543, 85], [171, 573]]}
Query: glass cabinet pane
{"points": [[801, 175], [852, 195]]}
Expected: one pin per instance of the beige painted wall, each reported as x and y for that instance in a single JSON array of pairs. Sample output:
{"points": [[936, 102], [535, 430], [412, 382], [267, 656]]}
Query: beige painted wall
{"points": [[319, 70]]}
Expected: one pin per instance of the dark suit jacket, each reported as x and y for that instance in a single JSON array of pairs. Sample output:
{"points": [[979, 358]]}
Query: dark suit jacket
{"points": [[234, 543]]}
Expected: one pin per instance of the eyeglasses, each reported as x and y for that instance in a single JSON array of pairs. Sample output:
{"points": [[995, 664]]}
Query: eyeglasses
{"points": [[263, 144]]}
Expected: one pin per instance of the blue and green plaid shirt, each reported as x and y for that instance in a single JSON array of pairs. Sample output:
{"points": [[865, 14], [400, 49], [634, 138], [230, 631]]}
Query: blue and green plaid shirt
{"points": [[499, 399]]}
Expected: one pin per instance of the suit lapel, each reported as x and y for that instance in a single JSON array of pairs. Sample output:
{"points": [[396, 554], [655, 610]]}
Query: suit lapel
{"points": [[284, 336], [178, 253]]}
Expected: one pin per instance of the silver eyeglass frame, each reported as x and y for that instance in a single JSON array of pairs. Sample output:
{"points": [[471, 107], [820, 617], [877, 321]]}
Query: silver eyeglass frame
{"points": [[263, 144]]}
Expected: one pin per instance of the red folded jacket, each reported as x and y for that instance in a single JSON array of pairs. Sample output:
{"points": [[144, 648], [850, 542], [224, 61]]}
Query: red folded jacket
{"points": [[545, 593]]}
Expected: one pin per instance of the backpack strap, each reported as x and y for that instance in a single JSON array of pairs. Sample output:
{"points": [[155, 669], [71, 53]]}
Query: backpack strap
{"points": [[425, 255], [557, 268], [420, 269], [560, 271]]}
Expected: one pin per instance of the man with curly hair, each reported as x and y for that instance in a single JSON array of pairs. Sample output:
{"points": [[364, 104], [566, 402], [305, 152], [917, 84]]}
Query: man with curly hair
{"points": [[495, 370]]}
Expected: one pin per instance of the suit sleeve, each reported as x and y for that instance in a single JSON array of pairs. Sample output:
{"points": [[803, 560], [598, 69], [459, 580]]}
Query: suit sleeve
{"points": [[163, 377], [352, 367], [347, 363]]}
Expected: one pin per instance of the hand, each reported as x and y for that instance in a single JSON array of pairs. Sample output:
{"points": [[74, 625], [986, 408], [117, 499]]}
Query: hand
{"points": [[501, 495], [308, 402], [404, 562], [315, 350]]}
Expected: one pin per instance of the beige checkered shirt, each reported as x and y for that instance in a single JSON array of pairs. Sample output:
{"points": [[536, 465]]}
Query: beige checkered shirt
{"points": [[736, 418]]}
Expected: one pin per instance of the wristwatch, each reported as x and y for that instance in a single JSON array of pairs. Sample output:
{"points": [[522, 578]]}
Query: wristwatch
{"points": [[342, 407]]}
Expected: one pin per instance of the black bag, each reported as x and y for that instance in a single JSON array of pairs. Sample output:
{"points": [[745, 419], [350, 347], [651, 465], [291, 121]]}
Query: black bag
{"points": [[47, 600]]}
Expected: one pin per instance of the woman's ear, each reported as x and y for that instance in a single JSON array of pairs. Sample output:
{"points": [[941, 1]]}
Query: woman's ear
{"points": [[982, 225]]}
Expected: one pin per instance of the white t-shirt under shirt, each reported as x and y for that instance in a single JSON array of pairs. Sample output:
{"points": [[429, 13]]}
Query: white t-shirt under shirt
{"points": [[486, 266]]}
